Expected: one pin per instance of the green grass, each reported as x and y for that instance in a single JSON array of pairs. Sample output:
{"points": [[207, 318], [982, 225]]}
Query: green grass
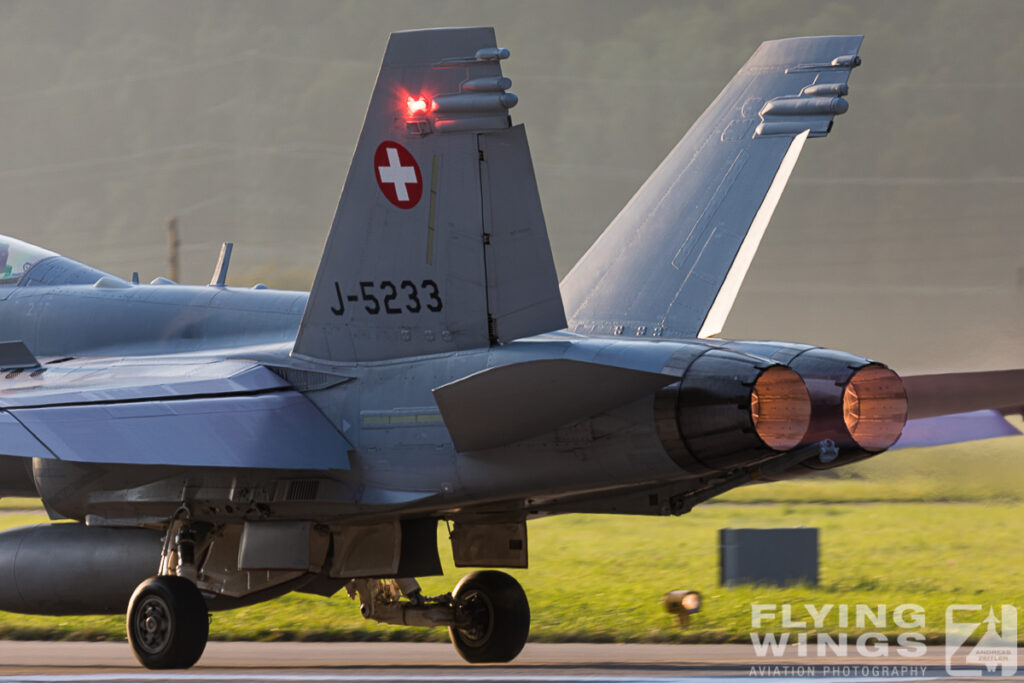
{"points": [[9, 520], [601, 578], [20, 504], [991, 470]]}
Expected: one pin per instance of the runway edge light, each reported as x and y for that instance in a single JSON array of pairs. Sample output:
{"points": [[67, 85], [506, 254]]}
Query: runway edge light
{"points": [[682, 603]]}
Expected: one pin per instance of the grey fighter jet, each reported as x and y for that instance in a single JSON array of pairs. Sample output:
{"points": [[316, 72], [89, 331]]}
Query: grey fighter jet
{"points": [[220, 446]]}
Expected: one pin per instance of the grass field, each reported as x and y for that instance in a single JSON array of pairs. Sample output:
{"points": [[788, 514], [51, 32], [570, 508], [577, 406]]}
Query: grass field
{"points": [[600, 578], [989, 471]]}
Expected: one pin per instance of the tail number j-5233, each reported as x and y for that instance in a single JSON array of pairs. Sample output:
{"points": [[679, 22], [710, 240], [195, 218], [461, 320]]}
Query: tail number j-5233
{"points": [[387, 297]]}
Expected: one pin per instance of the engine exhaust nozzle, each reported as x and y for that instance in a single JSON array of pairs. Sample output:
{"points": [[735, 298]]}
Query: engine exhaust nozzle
{"points": [[729, 410], [780, 408], [875, 407]]}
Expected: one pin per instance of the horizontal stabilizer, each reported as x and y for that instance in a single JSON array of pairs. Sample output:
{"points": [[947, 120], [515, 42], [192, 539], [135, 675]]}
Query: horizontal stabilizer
{"points": [[510, 403], [963, 392], [947, 429]]}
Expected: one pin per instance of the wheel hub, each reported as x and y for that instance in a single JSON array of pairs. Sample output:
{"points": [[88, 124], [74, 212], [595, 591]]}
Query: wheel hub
{"points": [[480, 611], [153, 624]]}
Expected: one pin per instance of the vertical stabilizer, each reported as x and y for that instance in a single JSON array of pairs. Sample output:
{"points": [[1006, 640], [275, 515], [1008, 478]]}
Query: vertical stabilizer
{"points": [[439, 241], [673, 260]]}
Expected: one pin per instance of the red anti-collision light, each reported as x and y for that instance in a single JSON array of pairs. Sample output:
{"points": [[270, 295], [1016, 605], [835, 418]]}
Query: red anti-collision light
{"points": [[419, 105]]}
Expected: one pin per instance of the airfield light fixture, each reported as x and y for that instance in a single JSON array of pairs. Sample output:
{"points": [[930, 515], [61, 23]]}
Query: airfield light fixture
{"points": [[682, 603]]}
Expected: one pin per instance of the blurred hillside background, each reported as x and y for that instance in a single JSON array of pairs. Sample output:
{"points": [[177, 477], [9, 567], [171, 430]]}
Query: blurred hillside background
{"points": [[899, 236]]}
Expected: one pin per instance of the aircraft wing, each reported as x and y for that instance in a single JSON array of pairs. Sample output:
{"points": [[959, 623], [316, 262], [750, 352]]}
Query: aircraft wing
{"points": [[963, 406], [672, 262], [165, 411], [108, 380]]}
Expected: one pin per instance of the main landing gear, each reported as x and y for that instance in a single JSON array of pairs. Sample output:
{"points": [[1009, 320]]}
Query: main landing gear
{"points": [[487, 615], [492, 617], [167, 623]]}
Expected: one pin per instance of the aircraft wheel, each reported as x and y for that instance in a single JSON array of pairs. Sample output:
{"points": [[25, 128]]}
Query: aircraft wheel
{"points": [[167, 623], [498, 614]]}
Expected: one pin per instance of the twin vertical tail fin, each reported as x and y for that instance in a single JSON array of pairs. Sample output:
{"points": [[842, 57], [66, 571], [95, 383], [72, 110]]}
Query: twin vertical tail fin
{"points": [[439, 242], [672, 262]]}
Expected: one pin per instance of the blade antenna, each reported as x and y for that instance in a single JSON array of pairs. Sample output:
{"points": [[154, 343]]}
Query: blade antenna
{"points": [[220, 273]]}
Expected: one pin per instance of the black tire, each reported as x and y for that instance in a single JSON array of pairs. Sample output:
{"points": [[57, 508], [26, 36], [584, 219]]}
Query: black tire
{"points": [[167, 623], [499, 615]]}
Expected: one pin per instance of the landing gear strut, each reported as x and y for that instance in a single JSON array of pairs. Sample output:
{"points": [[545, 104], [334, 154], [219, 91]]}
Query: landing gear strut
{"points": [[487, 615], [167, 623]]}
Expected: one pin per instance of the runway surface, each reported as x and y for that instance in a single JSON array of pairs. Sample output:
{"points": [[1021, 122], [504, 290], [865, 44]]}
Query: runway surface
{"points": [[57, 662]]}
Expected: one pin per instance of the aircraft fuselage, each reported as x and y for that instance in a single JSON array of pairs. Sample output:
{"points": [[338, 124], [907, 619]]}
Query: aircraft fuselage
{"points": [[74, 320]]}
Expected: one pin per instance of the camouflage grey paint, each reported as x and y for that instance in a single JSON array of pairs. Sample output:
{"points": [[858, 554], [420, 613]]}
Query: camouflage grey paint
{"points": [[430, 376], [76, 310], [465, 257], [657, 269], [477, 233]]}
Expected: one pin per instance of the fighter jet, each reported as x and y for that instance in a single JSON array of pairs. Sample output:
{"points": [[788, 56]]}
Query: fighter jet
{"points": [[219, 446]]}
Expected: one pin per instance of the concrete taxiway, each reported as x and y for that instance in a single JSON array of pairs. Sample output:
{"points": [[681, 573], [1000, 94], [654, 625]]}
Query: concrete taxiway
{"points": [[53, 662]]}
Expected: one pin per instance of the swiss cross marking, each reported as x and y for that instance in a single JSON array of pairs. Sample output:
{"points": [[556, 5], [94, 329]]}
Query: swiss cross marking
{"points": [[398, 174]]}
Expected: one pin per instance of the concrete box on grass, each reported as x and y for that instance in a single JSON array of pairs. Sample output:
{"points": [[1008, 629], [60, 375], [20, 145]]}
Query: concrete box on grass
{"points": [[779, 557]]}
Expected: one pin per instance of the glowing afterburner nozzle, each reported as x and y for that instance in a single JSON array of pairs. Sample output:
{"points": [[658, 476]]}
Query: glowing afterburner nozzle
{"points": [[780, 408], [875, 407]]}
